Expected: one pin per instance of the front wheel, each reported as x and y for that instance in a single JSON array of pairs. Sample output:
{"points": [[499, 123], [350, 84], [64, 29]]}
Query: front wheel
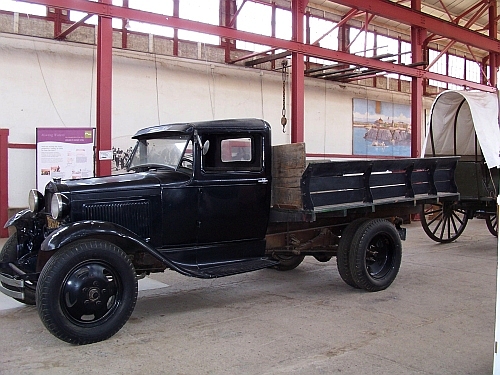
{"points": [[375, 255], [86, 292]]}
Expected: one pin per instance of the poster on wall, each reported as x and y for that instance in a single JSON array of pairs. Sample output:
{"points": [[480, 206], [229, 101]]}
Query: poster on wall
{"points": [[122, 149], [63, 153], [380, 128]]}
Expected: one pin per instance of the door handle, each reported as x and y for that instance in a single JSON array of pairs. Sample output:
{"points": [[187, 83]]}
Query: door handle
{"points": [[262, 181]]}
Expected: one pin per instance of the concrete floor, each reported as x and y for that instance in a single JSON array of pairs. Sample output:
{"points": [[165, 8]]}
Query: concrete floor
{"points": [[438, 317]]}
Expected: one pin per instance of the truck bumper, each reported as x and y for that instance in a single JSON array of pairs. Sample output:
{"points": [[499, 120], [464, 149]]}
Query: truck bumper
{"points": [[11, 286]]}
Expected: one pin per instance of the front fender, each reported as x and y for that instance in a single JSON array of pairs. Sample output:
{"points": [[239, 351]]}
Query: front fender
{"points": [[124, 238], [25, 214]]}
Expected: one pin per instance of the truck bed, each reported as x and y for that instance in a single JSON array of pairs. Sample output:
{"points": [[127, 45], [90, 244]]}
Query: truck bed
{"points": [[337, 188]]}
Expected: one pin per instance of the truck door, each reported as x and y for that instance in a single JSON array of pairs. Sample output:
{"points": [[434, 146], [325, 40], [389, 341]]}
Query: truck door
{"points": [[234, 192]]}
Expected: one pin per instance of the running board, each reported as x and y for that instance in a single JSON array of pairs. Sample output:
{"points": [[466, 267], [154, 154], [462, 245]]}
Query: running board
{"points": [[227, 268]]}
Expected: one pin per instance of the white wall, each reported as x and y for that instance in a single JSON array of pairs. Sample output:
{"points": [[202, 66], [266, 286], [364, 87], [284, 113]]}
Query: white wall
{"points": [[47, 83]]}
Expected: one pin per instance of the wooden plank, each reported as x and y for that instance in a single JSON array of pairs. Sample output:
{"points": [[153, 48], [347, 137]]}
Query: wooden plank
{"points": [[284, 197], [289, 163], [388, 192], [335, 183], [290, 156], [337, 197]]}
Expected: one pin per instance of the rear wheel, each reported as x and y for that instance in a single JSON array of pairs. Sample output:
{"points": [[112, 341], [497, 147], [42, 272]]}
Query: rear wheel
{"points": [[443, 222], [344, 249], [375, 255], [492, 224], [86, 292], [9, 254]]}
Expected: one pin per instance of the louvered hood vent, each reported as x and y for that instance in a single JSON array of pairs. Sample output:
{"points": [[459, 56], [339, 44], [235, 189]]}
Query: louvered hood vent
{"points": [[131, 215]]}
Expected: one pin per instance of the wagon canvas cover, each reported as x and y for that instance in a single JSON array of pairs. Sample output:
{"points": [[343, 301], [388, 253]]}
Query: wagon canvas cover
{"points": [[455, 116]]}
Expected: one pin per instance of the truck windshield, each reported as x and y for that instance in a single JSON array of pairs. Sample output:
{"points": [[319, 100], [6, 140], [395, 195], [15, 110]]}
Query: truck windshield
{"points": [[158, 153]]}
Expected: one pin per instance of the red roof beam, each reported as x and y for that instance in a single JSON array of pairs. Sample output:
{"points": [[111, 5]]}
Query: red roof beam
{"points": [[73, 27], [389, 10], [349, 15], [451, 43], [231, 23], [479, 13], [315, 51]]}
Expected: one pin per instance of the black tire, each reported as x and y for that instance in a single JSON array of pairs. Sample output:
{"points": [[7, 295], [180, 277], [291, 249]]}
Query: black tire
{"points": [[492, 224], [287, 262], [86, 292], [443, 222], [375, 256], [9, 254], [344, 250]]}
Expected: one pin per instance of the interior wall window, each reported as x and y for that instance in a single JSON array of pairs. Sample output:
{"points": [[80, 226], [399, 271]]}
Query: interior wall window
{"points": [[165, 7], [472, 71], [206, 11], [456, 69], [362, 42], [406, 57], [25, 8], [283, 24], [254, 18], [319, 27], [438, 67], [161, 7], [386, 45]]}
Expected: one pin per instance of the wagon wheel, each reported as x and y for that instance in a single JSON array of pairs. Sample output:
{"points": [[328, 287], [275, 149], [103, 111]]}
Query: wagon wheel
{"points": [[443, 222], [492, 224]]}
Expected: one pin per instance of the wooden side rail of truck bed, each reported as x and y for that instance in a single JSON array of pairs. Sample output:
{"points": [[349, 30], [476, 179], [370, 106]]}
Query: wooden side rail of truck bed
{"points": [[337, 187]]}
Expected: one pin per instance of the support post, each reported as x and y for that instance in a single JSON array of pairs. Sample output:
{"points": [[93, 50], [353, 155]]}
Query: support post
{"points": [[125, 26], [298, 10], [104, 90], [493, 29], [176, 31], [417, 88], [4, 181]]}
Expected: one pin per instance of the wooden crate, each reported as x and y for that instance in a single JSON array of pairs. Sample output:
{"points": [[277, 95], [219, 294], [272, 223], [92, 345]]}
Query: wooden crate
{"points": [[289, 162]]}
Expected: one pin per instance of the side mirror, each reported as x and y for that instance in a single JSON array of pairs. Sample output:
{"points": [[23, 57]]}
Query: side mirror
{"points": [[205, 147]]}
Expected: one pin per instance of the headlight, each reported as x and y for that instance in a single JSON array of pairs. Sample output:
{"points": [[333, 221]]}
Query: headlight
{"points": [[58, 206], [35, 200]]}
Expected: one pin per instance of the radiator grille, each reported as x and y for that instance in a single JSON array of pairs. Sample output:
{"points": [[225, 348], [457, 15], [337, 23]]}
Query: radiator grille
{"points": [[132, 215]]}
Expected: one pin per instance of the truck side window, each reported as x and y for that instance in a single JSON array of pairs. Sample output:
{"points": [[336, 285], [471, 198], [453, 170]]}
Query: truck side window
{"points": [[234, 153], [236, 149]]}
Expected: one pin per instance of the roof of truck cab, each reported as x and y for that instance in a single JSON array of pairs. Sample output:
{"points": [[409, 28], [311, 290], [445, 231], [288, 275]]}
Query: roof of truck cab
{"points": [[214, 125]]}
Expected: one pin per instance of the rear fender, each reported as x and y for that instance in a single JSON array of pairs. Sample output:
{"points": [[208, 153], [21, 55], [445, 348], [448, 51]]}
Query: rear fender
{"points": [[122, 237]]}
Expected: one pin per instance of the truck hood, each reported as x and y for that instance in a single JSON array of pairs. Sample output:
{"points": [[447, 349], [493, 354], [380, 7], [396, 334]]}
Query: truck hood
{"points": [[118, 183]]}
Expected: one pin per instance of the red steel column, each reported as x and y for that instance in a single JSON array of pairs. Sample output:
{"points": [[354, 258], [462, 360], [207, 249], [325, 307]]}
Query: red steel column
{"points": [[175, 51], [104, 90], [4, 181], [417, 88], [493, 29], [298, 10]]}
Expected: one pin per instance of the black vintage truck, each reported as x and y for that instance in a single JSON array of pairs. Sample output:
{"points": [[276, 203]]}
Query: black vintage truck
{"points": [[208, 199]]}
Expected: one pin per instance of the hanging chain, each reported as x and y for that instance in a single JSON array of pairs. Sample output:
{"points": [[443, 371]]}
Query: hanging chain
{"points": [[284, 66]]}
